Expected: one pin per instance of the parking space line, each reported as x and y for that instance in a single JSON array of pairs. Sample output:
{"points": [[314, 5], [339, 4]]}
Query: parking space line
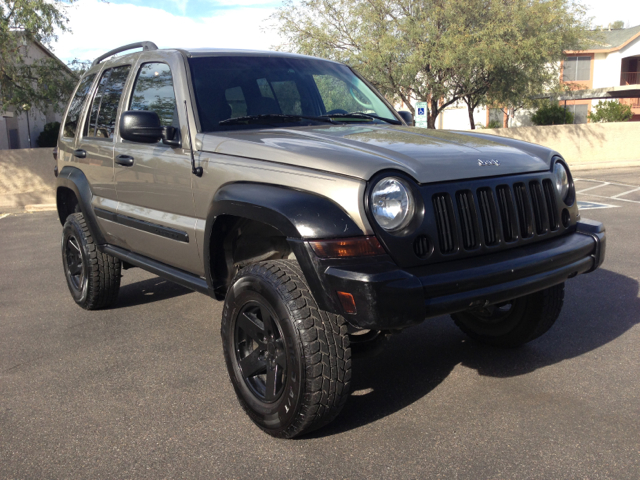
{"points": [[3, 215], [613, 198], [625, 193], [591, 188]]}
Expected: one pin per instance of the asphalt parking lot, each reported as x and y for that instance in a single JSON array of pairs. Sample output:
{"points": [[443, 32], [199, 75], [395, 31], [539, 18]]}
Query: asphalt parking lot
{"points": [[141, 391]]}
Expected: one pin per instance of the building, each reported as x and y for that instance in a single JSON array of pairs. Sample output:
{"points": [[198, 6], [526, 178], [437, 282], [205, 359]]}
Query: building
{"points": [[22, 130], [609, 69]]}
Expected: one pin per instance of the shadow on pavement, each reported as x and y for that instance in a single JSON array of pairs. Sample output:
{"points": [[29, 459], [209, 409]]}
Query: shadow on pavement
{"points": [[147, 291], [598, 308]]}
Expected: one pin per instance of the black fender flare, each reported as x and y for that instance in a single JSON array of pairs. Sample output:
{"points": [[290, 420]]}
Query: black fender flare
{"points": [[74, 179], [297, 214]]}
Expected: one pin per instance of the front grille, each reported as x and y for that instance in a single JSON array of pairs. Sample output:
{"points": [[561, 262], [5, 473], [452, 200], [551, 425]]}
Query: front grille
{"points": [[501, 214], [445, 221]]}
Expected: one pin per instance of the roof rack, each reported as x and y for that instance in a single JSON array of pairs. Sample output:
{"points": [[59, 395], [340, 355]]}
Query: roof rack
{"points": [[144, 45]]}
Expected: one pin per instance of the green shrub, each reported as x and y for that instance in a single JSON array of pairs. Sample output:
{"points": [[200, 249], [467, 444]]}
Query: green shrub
{"points": [[610, 112], [551, 114], [49, 136]]}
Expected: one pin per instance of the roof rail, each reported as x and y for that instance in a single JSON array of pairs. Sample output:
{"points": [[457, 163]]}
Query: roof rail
{"points": [[144, 45]]}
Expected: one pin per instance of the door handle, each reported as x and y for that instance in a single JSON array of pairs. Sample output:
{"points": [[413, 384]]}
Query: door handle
{"points": [[124, 160], [80, 153]]}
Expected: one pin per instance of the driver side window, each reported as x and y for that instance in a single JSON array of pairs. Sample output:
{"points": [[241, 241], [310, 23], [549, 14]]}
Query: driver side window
{"points": [[153, 91]]}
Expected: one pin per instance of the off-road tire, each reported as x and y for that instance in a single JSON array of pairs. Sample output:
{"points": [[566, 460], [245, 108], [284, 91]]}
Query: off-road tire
{"points": [[98, 282], [316, 380], [529, 317]]}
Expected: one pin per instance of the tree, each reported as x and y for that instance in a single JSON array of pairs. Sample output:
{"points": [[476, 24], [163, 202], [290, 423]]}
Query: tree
{"points": [[24, 82], [49, 136], [617, 25], [439, 51], [551, 113], [610, 112]]}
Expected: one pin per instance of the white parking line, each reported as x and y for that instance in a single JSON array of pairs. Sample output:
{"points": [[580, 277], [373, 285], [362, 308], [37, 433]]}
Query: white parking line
{"points": [[3, 215], [618, 196]]}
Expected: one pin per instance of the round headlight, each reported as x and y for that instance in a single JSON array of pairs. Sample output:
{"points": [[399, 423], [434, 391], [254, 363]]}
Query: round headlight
{"points": [[562, 180], [392, 204]]}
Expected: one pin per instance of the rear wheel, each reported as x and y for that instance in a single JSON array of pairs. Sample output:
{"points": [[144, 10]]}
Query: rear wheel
{"points": [[289, 362], [513, 323], [93, 277]]}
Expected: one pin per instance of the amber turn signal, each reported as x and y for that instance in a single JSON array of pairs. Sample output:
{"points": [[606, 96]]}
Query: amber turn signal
{"points": [[347, 247], [348, 302]]}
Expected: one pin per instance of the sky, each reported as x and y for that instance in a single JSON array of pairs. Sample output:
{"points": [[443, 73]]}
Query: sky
{"points": [[98, 26]]}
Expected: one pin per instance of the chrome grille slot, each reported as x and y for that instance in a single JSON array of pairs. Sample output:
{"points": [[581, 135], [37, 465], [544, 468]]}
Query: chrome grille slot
{"points": [[445, 222]]}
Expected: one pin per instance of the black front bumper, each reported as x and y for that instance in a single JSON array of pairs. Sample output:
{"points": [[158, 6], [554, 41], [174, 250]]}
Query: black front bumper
{"points": [[388, 297]]}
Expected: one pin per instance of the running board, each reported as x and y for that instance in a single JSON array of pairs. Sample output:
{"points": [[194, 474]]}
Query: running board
{"points": [[173, 274]]}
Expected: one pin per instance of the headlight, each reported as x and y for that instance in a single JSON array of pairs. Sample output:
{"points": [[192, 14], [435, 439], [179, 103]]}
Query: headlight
{"points": [[562, 180], [392, 204]]}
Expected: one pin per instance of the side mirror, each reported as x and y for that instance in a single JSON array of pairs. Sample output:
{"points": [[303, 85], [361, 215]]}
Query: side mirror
{"points": [[140, 126], [407, 117]]}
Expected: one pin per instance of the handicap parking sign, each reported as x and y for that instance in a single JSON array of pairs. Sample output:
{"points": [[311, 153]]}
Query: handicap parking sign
{"points": [[421, 111]]}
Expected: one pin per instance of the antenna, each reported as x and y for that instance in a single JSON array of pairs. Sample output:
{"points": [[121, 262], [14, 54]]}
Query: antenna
{"points": [[197, 171]]}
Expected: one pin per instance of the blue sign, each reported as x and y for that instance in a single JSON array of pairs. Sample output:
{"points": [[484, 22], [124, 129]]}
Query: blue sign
{"points": [[421, 111]]}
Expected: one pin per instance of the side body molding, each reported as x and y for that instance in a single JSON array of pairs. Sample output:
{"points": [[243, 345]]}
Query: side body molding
{"points": [[75, 180], [297, 214]]}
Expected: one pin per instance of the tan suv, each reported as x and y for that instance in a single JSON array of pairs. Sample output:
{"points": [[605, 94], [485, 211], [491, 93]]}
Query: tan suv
{"points": [[288, 187]]}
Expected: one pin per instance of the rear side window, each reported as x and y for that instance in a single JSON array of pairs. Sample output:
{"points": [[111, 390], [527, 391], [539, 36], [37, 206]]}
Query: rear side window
{"points": [[153, 92], [101, 120], [75, 110]]}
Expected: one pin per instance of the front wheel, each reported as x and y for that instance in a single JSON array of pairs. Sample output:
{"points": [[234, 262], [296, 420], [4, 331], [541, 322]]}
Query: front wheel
{"points": [[513, 323], [289, 362]]}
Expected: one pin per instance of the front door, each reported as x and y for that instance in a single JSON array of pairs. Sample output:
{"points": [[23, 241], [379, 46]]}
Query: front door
{"points": [[153, 181]]}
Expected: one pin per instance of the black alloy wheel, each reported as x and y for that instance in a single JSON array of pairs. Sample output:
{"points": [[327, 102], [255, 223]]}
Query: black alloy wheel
{"points": [[93, 277], [515, 322], [261, 351], [74, 265], [289, 362]]}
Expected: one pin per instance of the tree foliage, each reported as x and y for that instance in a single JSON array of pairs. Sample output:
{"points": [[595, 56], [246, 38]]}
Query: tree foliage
{"points": [[551, 113], [49, 136], [26, 82], [610, 112], [440, 51]]}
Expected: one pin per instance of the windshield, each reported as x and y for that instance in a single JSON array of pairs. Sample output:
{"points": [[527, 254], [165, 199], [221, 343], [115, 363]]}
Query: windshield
{"points": [[280, 91]]}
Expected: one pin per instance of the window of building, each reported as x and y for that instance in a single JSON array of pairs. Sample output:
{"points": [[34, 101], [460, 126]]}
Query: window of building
{"points": [[75, 110], [576, 69], [101, 121], [580, 112], [153, 92]]}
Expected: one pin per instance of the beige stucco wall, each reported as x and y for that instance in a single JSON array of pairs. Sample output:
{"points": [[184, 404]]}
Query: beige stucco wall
{"points": [[26, 178], [591, 145]]}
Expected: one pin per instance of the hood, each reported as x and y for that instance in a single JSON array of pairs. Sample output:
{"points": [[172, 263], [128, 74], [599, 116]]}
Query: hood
{"points": [[361, 151]]}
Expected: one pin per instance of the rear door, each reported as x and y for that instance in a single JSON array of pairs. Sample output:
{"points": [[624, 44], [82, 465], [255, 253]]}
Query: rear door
{"points": [[94, 149], [153, 181]]}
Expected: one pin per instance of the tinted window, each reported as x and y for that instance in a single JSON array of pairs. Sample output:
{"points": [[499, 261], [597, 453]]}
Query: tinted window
{"points": [[101, 121], [230, 87], [75, 110], [576, 68], [153, 91]]}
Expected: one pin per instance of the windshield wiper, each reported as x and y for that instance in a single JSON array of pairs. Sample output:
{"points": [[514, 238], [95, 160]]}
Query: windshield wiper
{"points": [[272, 118], [393, 121]]}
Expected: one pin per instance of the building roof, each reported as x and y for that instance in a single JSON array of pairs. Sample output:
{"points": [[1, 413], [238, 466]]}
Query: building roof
{"points": [[612, 40]]}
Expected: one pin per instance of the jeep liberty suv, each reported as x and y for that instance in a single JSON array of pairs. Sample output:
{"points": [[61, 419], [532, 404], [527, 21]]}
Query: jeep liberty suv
{"points": [[288, 187]]}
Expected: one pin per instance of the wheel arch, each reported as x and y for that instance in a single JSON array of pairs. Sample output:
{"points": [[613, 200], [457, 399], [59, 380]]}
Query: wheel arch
{"points": [[73, 194], [287, 217]]}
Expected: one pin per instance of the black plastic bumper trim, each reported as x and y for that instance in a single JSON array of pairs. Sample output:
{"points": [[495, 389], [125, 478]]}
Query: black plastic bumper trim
{"points": [[143, 225]]}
